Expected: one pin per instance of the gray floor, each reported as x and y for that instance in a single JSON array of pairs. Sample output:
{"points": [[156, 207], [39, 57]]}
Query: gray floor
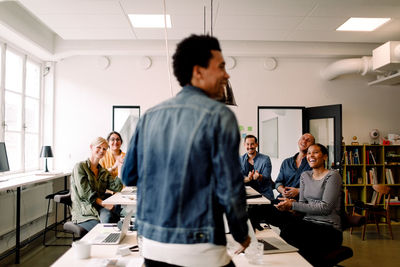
{"points": [[377, 250]]}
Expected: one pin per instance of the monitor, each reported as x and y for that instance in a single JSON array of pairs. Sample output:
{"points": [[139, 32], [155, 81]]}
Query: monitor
{"points": [[4, 167]]}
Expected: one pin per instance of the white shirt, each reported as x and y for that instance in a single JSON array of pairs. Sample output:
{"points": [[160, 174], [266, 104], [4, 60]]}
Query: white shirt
{"points": [[202, 254]]}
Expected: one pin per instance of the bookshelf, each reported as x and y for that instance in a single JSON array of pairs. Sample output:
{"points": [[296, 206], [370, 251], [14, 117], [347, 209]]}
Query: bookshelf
{"points": [[365, 165]]}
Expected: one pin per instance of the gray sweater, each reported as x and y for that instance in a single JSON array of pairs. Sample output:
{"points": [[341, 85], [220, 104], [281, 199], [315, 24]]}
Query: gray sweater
{"points": [[320, 199]]}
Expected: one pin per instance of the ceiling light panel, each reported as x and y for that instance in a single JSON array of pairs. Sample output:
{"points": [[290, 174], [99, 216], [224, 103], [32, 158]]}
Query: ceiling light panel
{"points": [[149, 21], [362, 24]]}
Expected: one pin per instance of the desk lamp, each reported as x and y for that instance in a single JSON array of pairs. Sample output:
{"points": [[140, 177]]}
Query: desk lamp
{"points": [[46, 153]]}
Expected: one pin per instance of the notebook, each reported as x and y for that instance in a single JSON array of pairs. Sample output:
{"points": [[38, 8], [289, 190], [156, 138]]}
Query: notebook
{"points": [[271, 244], [114, 238]]}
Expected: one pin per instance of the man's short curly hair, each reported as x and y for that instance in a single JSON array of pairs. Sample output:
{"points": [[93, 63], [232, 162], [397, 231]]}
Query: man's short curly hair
{"points": [[191, 51]]}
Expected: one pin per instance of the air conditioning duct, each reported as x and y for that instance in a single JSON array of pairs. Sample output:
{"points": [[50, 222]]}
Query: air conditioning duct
{"points": [[384, 63], [387, 56], [347, 66]]}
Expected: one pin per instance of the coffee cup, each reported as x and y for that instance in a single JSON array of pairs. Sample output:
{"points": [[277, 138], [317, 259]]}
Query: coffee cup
{"points": [[81, 249]]}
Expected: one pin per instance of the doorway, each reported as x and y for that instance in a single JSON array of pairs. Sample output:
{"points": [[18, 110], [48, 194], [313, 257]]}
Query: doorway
{"points": [[279, 129]]}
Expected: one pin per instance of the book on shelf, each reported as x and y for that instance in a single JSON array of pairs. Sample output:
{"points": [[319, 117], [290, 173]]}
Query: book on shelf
{"points": [[356, 157], [373, 176], [373, 198], [372, 157], [389, 176], [348, 199]]}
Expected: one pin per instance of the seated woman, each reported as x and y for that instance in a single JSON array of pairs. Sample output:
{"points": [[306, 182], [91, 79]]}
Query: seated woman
{"points": [[319, 231], [114, 157], [89, 182]]}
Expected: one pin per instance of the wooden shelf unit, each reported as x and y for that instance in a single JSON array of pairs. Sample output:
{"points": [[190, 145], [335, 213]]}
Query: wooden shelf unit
{"points": [[359, 172]]}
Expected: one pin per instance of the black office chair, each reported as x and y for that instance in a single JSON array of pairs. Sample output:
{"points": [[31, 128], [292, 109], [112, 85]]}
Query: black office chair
{"points": [[70, 227], [53, 227], [334, 257]]}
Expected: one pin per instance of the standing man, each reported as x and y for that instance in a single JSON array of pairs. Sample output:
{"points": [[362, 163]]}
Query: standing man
{"points": [[288, 181], [256, 168], [184, 159]]}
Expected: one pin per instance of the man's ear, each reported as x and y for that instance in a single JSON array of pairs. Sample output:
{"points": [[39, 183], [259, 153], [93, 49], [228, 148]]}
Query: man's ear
{"points": [[197, 75], [197, 72]]}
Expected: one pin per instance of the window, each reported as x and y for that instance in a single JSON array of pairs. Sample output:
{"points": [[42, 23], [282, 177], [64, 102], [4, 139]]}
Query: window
{"points": [[22, 102]]}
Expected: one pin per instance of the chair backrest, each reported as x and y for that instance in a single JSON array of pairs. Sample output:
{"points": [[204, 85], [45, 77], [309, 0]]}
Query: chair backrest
{"points": [[382, 195], [65, 199]]}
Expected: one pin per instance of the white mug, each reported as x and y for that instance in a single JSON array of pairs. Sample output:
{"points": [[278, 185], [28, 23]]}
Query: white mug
{"points": [[81, 249]]}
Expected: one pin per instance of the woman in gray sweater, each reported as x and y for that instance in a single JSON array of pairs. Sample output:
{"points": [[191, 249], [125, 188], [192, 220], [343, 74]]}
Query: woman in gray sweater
{"points": [[319, 231]]}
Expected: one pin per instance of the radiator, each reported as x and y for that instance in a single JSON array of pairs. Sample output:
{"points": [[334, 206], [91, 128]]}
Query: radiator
{"points": [[33, 205]]}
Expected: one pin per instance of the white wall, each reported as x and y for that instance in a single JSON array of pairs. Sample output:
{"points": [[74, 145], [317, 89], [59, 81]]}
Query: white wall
{"points": [[85, 94]]}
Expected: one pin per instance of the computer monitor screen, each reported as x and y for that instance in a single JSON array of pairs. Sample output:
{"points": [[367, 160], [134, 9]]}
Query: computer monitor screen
{"points": [[4, 167]]}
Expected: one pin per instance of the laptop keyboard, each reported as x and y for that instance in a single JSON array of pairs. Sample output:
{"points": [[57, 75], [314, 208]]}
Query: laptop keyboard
{"points": [[111, 238]]}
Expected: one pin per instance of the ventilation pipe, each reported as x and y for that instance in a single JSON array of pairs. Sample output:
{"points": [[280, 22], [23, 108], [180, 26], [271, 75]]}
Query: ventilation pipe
{"points": [[347, 66]]}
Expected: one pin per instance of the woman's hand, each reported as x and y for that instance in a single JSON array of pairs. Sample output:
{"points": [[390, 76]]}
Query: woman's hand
{"points": [[108, 206], [99, 202], [285, 204]]}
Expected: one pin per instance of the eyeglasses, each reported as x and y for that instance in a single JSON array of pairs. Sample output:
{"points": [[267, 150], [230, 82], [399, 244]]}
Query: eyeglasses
{"points": [[115, 139]]}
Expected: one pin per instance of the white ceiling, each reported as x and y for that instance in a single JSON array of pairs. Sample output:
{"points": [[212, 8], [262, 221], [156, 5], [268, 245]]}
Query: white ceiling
{"points": [[242, 20]]}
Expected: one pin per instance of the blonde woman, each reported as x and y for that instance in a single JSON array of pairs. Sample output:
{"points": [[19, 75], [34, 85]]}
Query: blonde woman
{"points": [[114, 157], [89, 182]]}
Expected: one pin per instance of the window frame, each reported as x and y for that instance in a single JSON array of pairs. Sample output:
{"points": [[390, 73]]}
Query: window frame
{"points": [[23, 130]]}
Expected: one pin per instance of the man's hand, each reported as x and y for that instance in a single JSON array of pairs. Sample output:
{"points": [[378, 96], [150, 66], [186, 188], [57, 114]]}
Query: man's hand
{"points": [[249, 177], [244, 245], [257, 176], [290, 192]]}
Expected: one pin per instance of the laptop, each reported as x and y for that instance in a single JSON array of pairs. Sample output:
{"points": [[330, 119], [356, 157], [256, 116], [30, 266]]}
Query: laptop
{"points": [[114, 238], [251, 193], [271, 244]]}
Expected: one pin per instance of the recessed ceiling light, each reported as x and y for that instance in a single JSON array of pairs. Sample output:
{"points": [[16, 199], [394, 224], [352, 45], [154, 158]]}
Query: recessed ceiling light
{"points": [[362, 24], [149, 21]]}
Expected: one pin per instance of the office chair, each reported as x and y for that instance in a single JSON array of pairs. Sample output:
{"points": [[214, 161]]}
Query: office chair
{"points": [[50, 197], [334, 257], [70, 227]]}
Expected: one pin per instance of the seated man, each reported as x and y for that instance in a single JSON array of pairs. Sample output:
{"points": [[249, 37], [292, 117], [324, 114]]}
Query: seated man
{"points": [[288, 180], [256, 168]]}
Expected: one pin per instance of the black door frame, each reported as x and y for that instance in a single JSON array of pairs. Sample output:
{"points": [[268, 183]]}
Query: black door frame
{"points": [[324, 112]]}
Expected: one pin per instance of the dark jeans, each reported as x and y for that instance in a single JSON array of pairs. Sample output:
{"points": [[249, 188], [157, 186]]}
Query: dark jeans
{"points": [[151, 263], [313, 240]]}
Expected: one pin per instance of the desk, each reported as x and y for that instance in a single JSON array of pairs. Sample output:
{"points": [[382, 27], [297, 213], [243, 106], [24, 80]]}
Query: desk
{"points": [[18, 181], [256, 201], [122, 198], [109, 251]]}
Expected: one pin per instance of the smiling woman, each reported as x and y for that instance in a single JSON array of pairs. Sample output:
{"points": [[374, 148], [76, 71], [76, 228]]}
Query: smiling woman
{"points": [[319, 231], [114, 157], [89, 182]]}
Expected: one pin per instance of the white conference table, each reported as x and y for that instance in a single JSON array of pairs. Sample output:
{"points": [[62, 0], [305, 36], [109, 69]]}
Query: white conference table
{"points": [[17, 181], [108, 252], [128, 197]]}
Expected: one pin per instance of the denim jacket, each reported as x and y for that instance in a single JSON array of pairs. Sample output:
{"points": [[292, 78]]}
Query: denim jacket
{"points": [[184, 159]]}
